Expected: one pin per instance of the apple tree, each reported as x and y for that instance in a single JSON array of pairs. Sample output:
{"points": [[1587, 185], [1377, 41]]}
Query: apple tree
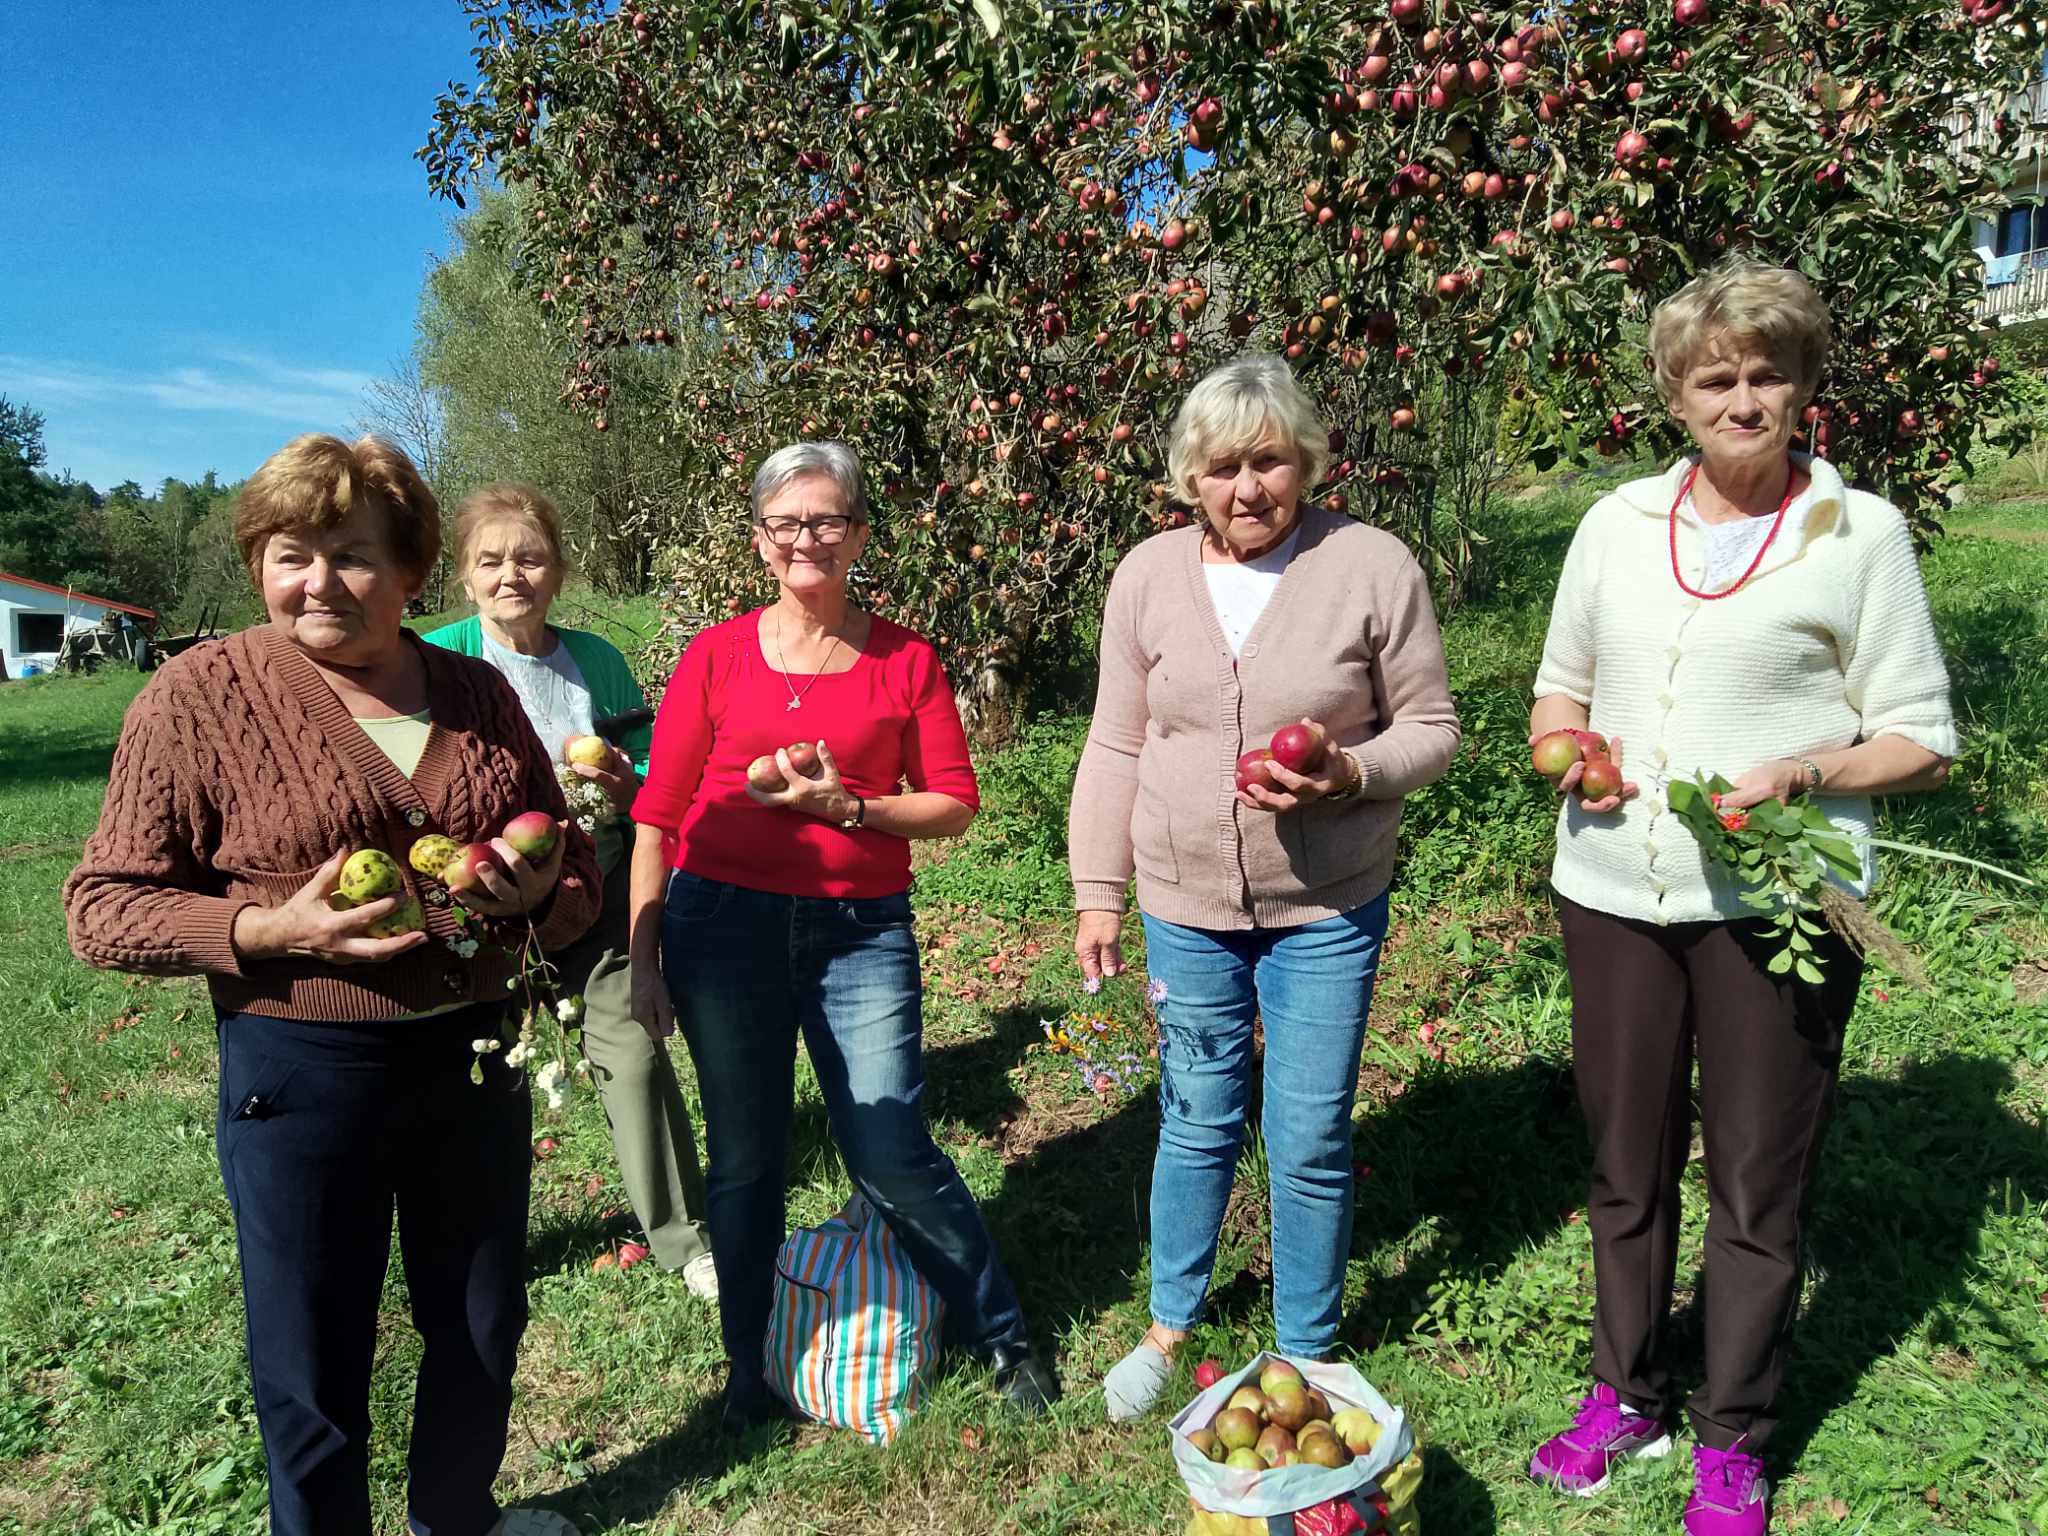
{"points": [[992, 244]]}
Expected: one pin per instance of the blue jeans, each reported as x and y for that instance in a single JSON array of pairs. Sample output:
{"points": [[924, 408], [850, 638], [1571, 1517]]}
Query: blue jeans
{"points": [[1311, 987], [748, 970]]}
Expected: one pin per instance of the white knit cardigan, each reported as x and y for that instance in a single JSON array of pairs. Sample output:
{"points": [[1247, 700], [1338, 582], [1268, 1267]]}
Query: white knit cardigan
{"points": [[1829, 643]]}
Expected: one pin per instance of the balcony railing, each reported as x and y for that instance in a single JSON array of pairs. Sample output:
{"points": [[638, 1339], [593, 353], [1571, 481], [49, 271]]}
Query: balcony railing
{"points": [[1971, 129], [2023, 299]]}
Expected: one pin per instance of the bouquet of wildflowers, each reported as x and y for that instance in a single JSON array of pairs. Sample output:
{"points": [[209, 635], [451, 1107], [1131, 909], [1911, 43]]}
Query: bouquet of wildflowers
{"points": [[588, 803], [1113, 1057], [1784, 853]]}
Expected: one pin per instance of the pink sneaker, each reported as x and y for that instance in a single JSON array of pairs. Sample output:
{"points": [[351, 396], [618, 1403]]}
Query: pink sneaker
{"points": [[1730, 1495], [1578, 1461]]}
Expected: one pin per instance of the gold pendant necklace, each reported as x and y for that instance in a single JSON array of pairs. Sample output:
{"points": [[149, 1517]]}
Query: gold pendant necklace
{"points": [[796, 699]]}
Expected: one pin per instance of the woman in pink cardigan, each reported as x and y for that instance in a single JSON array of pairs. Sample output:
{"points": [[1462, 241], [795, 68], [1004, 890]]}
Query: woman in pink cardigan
{"points": [[1264, 901]]}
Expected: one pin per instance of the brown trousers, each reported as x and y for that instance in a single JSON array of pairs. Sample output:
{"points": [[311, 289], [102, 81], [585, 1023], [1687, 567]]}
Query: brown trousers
{"points": [[1647, 1003]]}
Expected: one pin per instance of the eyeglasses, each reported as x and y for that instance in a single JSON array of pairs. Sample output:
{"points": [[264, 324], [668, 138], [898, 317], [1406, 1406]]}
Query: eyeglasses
{"points": [[785, 531]]}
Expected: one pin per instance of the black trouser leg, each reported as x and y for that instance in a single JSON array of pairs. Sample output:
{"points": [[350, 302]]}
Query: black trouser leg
{"points": [[1632, 1056]]}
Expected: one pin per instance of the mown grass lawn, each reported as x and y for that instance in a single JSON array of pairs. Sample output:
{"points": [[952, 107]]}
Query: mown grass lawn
{"points": [[1919, 1396]]}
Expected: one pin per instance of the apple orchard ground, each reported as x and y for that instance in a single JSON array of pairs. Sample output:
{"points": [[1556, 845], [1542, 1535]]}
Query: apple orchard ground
{"points": [[1917, 1400]]}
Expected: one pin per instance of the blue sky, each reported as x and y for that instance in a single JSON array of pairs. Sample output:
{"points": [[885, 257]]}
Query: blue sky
{"points": [[214, 231]]}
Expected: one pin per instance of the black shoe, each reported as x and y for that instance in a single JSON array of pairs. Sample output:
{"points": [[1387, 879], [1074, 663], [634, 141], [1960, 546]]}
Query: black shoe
{"points": [[1025, 1381], [745, 1406]]}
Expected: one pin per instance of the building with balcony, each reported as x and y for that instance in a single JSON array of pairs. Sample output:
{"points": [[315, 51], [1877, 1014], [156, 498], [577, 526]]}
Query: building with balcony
{"points": [[2015, 245]]}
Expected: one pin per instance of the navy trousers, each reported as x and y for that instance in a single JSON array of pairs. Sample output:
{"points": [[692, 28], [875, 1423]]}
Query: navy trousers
{"points": [[324, 1131]]}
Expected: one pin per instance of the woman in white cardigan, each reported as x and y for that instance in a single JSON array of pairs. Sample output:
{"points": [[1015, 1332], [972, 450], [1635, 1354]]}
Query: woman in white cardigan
{"points": [[1744, 613]]}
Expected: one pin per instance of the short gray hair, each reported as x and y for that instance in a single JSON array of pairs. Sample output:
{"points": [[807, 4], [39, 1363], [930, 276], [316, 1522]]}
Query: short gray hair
{"points": [[835, 461], [1232, 409]]}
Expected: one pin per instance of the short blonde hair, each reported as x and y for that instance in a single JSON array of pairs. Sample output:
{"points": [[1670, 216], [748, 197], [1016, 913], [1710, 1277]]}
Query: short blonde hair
{"points": [[1747, 301], [1232, 409], [508, 501], [316, 480]]}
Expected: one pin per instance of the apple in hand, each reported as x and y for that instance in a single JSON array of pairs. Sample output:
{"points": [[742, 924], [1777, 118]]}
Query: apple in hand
{"points": [[532, 834], [803, 757], [1554, 754], [464, 872], [1600, 779], [590, 751], [1299, 747], [764, 777], [1255, 768]]}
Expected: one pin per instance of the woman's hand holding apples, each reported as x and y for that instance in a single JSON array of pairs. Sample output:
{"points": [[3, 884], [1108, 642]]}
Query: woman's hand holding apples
{"points": [[511, 882], [307, 925], [1571, 780], [595, 759], [1099, 944], [1299, 769], [810, 783]]}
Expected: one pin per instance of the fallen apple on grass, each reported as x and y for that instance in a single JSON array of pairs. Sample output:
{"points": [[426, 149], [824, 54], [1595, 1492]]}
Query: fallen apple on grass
{"points": [[1208, 1373]]}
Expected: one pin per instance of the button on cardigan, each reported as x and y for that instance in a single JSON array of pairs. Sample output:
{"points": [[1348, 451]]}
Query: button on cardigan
{"points": [[1830, 643], [1348, 638]]}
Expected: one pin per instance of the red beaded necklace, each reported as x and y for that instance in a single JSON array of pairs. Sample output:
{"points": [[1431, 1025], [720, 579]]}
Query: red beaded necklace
{"points": [[1685, 490]]}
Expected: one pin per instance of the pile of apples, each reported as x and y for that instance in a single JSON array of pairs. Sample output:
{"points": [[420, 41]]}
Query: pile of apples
{"points": [[1282, 1422], [1556, 751]]}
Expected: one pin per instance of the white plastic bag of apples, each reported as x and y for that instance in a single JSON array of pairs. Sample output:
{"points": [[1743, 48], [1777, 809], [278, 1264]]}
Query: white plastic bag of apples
{"points": [[1284, 1489]]}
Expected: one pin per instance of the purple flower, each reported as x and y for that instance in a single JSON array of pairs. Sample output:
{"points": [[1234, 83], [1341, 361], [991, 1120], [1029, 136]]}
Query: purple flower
{"points": [[1155, 990], [1091, 985]]}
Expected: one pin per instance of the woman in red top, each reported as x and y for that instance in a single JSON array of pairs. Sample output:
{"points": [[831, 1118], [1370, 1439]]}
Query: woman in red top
{"points": [[761, 912]]}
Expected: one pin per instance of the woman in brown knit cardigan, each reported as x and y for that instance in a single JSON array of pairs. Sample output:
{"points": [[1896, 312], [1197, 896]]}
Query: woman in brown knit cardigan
{"points": [[248, 770]]}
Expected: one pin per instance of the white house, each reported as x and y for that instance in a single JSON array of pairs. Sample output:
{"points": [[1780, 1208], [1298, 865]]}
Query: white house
{"points": [[35, 617]]}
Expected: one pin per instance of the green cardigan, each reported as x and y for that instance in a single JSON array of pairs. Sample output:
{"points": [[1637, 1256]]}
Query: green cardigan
{"points": [[612, 688]]}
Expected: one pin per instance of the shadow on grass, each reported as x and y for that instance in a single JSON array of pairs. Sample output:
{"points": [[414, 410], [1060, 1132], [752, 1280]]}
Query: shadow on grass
{"points": [[1913, 1167]]}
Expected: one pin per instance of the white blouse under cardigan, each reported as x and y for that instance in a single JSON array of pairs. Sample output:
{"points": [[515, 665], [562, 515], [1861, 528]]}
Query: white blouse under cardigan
{"points": [[1829, 643]]}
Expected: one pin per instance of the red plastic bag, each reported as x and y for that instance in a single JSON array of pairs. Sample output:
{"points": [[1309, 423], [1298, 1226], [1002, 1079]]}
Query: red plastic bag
{"points": [[1340, 1517]]}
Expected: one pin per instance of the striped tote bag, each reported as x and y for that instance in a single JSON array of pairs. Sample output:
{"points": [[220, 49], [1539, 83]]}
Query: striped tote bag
{"points": [[855, 1327]]}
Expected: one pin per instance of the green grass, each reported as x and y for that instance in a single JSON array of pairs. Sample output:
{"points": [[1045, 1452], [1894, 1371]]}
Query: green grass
{"points": [[1916, 1399]]}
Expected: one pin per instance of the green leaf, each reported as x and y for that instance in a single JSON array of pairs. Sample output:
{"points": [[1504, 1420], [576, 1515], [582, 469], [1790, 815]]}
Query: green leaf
{"points": [[1808, 971], [991, 14], [1781, 962]]}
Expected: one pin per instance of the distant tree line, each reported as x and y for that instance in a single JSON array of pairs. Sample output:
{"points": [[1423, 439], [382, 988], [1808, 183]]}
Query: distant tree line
{"points": [[170, 550]]}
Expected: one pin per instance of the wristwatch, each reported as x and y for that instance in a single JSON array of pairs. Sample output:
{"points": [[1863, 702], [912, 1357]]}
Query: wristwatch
{"points": [[1357, 779], [859, 816]]}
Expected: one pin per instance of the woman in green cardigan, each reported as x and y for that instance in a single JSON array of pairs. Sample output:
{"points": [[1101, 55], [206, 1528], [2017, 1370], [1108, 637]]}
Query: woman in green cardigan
{"points": [[509, 552]]}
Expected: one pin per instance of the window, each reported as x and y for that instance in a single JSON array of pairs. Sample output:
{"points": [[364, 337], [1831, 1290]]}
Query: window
{"points": [[38, 633], [2021, 230]]}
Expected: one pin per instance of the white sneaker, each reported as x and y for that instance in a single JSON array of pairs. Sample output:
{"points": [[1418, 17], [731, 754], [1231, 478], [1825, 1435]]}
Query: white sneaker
{"points": [[700, 1276], [533, 1522]]}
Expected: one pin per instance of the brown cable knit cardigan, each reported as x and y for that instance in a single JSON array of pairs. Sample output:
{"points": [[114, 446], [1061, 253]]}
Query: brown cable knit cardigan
{"points": [[240, 773]]}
